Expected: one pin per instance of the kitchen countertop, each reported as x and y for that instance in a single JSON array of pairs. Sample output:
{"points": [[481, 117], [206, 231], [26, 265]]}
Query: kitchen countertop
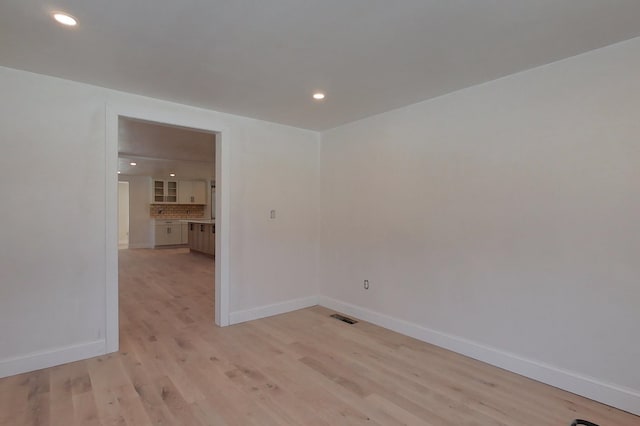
{"points": [[205, 221], [167, 220]]}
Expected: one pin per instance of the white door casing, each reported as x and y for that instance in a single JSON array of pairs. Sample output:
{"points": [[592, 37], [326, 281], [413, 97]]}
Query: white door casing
{"points": [[185, 117]]}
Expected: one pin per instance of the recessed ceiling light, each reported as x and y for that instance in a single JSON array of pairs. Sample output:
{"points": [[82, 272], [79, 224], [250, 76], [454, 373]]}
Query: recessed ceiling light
{"points": [[118, 171], [318, 96], [65, 19], [133, 163], [172, 174]]}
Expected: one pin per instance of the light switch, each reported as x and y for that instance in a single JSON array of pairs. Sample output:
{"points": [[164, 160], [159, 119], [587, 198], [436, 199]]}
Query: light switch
{"points": [[273, 214]]}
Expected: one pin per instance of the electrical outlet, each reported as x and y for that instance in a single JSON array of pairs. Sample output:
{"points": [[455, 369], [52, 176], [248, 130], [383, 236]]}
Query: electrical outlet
{"points": [[366, 284]]}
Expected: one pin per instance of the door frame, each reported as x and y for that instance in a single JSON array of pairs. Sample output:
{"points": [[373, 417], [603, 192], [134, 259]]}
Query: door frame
{"points": [[123, 184], [176, 115]]}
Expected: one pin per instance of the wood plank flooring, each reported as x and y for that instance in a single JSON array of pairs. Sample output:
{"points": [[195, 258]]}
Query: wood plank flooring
{"points": [[303, 368]]}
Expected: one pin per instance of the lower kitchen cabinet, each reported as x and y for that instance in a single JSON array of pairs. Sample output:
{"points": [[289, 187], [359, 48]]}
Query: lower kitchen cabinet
{"points": [[168, 234], [184, 233], [212, 239], [202, 237], [192, 228]]}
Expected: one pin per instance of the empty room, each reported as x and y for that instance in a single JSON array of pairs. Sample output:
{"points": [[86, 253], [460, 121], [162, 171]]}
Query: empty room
{"points": [[418, 212]]}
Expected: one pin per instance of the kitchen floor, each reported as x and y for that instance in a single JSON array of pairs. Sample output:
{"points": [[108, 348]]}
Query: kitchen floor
{"points": [[173, 281]]}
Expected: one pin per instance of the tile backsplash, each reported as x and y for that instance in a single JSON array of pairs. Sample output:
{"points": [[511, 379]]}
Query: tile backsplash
{"points": [[177, 211]]}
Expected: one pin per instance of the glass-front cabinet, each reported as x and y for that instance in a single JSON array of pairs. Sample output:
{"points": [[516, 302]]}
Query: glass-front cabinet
{"points": [[165, 191]]}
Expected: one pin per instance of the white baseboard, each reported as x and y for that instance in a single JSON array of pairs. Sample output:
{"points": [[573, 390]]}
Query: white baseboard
{"points": [[141, 246], [607, 393], [50, 358], [270, 310]]}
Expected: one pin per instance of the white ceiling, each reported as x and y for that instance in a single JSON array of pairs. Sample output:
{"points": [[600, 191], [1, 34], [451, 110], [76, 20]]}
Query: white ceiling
{"points": [[159, 149], [264, 58]]}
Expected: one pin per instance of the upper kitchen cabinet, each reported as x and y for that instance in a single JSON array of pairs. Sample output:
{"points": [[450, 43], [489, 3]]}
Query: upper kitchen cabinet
{"points": [[179, 192], [192, 192], [165, 191]]}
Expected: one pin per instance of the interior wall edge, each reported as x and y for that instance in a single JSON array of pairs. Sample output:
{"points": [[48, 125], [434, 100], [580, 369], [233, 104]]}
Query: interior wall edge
{"points": [[51, 357], [608, 393]]}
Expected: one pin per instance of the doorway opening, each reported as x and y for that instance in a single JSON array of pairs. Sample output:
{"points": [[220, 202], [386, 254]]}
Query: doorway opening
{"points": [[166, 272], [184, 205]]}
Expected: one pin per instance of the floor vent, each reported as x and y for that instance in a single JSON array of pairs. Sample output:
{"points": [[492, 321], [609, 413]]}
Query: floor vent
{"points": [[344, 319]]}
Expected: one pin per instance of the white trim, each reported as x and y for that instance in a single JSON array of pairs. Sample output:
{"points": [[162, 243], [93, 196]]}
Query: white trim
{"points": [[140, 246], [49, 358], [177, 115], [111, 231], [223, 215], [274, 309], [590, 387]]}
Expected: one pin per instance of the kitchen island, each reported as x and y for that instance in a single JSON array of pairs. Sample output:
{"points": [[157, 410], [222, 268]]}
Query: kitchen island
{"points": [[202, 235]]}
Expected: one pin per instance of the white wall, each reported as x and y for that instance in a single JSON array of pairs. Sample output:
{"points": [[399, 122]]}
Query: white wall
{"points": [[501, 221], [52, 242], [141, 232], [53, 204], [281, 174]]}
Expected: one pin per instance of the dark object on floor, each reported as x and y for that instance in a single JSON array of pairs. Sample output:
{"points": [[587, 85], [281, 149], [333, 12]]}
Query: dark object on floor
{"points": [[578, 422], [346, 319]]}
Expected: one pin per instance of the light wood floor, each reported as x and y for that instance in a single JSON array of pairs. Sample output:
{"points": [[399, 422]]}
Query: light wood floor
{"points": [[301, 368]]}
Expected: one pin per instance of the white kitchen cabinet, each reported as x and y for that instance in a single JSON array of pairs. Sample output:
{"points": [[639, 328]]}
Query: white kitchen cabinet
{"points": [[164, 191], [200, 192], [168, 233], [192, 192]]}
